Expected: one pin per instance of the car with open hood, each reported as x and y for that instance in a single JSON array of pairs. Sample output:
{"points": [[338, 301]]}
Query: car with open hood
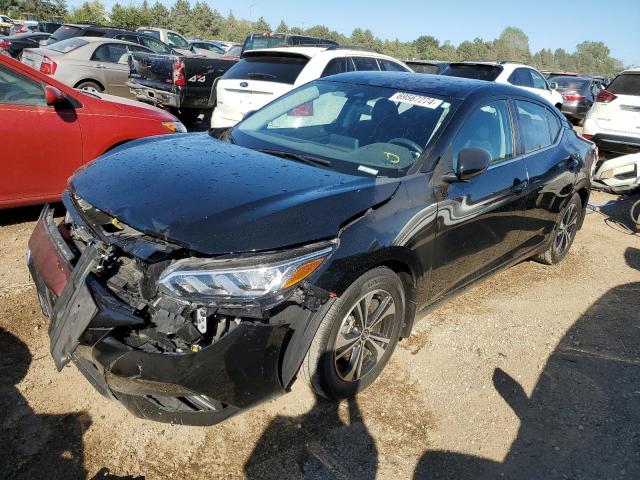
{"points": [[196, 276]]}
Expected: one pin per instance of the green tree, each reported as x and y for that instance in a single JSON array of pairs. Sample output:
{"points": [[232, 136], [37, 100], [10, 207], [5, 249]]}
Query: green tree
{"points": [[427, 47], [90, 11], [130, 17], [159, 16], [181, 16], [207, 23], [282, 27], [260, 26], [512, 45], [476, 50]]}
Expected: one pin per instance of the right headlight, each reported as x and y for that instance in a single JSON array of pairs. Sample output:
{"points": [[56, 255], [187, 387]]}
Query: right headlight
{"points": [[243, 280]]}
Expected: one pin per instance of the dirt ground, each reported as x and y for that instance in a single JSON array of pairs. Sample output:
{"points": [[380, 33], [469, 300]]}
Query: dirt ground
{"points": [[534, 373]]}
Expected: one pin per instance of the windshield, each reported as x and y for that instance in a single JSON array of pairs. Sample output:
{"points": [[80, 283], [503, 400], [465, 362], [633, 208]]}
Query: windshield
{"points": [[65, 46], [569, 83], [64, 32], [477, 72], [359, 129]]}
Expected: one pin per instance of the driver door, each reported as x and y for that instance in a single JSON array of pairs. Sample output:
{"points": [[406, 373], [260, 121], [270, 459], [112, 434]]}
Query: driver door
{"points": [[42, 146], [479, 220]]}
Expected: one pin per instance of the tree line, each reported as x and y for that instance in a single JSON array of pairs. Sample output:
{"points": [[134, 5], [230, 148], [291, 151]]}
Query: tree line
{"points": [[199, 20]]}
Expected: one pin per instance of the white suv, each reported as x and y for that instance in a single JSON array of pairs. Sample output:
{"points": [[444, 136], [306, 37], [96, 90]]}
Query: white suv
{"points": [[264, 75], [509, 73], [613, 122]]}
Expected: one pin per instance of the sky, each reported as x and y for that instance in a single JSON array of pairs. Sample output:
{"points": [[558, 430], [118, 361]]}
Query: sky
{"points": [[548, 23]]}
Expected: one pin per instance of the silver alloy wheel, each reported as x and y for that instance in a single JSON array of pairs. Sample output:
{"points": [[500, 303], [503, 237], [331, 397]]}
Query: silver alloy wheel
{"points": [[566, 230], [90, 89], [364, 335]]}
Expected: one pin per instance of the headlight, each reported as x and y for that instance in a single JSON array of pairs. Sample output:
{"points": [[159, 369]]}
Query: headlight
{"points": [[175, 127], [243, 280]]}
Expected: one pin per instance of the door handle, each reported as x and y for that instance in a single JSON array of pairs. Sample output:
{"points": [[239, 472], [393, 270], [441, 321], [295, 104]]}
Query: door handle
{"points": [[100, 65], [519, 185]]}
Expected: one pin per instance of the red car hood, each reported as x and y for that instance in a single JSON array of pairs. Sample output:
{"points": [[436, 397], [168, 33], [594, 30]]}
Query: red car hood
{"points": [[128, 105]]}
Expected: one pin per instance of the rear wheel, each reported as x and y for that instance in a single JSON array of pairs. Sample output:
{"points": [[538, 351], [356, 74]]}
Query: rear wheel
{"points": [[91, 87], [564, 233], [357, 336]]}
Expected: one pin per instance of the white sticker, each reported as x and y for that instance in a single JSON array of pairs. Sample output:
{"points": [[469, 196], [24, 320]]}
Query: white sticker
{"points": [[418, 100], [370, 171]]}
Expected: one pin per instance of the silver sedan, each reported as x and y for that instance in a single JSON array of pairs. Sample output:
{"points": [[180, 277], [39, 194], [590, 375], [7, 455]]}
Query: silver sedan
{"points": [[89, 63]]}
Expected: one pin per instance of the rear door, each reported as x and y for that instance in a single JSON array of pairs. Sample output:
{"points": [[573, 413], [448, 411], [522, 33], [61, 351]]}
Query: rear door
{"points": [[109, 61], [551, 169], [43, 145], [255, 81], [620, 112], [480, 220]]}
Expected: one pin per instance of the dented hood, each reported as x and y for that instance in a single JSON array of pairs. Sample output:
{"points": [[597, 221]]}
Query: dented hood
{"points": [[218, 198]]}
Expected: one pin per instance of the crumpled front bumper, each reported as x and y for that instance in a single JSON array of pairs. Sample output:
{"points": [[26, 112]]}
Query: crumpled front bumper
{"points": [[196, 388]]}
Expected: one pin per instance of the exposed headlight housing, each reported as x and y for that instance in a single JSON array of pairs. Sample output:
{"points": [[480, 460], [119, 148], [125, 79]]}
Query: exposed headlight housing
{"points": [[175, 127], [255, 280]]}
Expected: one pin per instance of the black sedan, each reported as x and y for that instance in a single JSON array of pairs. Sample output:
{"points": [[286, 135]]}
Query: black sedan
{"points": [[578, 93], [194, 277], [14, 44]]}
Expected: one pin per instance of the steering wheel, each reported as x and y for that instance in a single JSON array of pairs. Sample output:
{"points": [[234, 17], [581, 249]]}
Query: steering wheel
{"points": [[405, 142]]}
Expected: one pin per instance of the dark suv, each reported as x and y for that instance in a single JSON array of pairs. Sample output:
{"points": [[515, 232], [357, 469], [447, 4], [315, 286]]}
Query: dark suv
{"points": [[194, 277], [80, 30]]}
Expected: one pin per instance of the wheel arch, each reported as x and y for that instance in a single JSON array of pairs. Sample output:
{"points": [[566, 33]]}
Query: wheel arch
{"points": [[93, 80], [409, 283]]}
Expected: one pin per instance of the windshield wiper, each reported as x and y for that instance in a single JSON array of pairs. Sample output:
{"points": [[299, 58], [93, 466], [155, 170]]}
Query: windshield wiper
{"points": [[298, 157]]}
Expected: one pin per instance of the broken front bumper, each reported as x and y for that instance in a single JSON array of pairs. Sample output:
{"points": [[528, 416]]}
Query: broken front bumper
{"points": [[197, 388]]}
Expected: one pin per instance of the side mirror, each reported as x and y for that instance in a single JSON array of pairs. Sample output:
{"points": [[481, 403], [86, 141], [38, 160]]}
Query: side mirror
{"points": [[553, 85], [472, 162], [53, 96]]}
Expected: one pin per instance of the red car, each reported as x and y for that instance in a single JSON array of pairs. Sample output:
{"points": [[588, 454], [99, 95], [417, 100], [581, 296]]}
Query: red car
{"points": [[49, 130]]}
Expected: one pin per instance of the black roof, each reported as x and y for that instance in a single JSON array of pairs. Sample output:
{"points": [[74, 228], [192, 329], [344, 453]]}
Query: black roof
{"points": [[454, 87]]}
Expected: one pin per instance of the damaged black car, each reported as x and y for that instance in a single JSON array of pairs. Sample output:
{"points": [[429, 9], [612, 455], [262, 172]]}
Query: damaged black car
{"points": [[197, 275]]}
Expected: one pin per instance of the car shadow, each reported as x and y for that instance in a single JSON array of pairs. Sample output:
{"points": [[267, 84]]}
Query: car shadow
{"points": [[36, 445], [583, 417], [26, 214], [617, 212], [316, 445]]}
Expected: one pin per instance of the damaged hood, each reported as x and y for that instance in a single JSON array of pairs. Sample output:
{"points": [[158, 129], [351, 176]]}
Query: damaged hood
{"points": [[217, 198]]}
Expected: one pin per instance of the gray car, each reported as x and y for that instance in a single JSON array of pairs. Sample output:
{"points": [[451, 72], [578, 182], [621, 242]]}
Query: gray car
{"points": [[89, 63]]}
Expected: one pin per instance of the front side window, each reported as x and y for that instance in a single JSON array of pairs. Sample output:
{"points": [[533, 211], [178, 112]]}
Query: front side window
{"points": [[362, 130], [109, 53], [534, 128], [16, 89], [487, 127], [520, 78], [177, 41], [537, 80]]}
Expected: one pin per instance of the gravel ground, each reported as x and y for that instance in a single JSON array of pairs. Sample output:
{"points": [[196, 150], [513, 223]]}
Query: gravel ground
{"points": [[534, 373]]}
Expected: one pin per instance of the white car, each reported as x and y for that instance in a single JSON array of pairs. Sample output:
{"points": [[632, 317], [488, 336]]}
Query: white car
{"points": [[264, 75], [613, 122], [509, 73], [173, 39]]}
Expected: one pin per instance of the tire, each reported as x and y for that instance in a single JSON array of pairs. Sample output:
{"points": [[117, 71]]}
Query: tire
{"points": [[564, 232], [362, 353], [90, 86]]}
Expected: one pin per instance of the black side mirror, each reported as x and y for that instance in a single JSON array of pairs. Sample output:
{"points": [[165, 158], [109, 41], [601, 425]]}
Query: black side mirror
{"points": [[472, 161]]}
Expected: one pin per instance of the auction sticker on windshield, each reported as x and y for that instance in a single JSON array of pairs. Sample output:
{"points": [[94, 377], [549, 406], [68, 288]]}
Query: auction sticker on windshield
{"points": [[413, 99]]}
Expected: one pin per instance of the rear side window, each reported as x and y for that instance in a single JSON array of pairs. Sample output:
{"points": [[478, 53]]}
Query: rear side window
{"points": [[337, 65], [155, 45], [110, 53], [534, 127], [272, 68], [66, 46], [389, 66], [487, 127], [625, 84], [365, 63], [554, 126], [65, 32], [478, 72]]}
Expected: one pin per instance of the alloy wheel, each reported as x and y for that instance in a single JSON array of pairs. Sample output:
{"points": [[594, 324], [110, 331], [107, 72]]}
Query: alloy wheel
{"points": [[90, 89], [566, 230], [364, 335]]}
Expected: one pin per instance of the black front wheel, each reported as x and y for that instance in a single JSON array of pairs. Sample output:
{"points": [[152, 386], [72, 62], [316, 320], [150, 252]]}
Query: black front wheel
{"points": [[357, 336]]}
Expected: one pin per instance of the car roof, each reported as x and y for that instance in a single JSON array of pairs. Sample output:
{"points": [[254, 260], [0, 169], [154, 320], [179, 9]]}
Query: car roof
{"points": [[454, 87], [311, 52], [631, 70]]}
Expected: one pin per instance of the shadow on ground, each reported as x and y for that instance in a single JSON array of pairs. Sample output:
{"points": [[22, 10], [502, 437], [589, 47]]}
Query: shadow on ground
{"points": [[37, 445], [617, 213], [583, 417]]}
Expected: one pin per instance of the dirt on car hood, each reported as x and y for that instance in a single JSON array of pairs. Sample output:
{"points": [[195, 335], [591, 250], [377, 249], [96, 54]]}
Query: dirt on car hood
{"points": [[217, 198]]}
